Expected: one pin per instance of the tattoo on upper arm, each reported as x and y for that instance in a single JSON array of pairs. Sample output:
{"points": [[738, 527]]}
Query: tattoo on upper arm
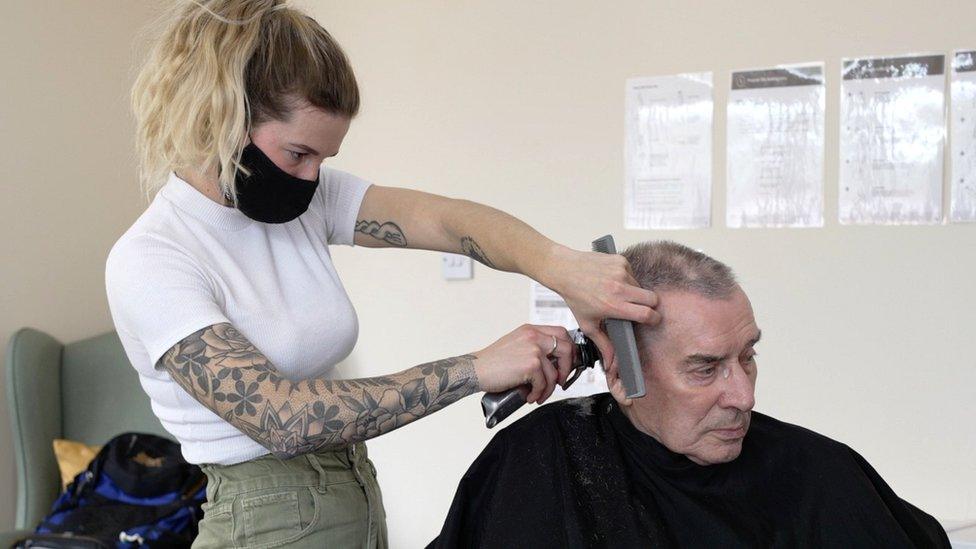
{"points": [[222, 370], [388, 232], [471, 248]]}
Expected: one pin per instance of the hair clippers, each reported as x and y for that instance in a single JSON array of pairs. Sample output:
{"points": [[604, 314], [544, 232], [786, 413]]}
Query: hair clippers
{"points": [[498, 406]]}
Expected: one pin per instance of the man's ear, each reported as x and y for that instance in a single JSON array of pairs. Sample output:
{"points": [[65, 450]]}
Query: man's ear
{"points": [[617, 387]]}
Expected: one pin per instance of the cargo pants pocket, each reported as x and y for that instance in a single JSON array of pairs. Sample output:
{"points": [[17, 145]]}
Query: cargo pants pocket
{"points": [[277, 517]]}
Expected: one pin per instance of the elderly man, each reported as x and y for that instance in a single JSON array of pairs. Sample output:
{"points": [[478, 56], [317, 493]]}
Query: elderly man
{"points": [[690, 464]]}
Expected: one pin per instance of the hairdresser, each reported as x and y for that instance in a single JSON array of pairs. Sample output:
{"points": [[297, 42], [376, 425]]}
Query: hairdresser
{"points": [[227, 302]]}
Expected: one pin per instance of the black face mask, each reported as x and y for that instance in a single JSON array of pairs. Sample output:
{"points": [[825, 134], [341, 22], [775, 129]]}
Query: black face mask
{"points": [[271, 195]]}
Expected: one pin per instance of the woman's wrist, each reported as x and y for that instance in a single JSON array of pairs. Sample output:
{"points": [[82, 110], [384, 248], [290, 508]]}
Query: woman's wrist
{"points": [[554, 267], [465, 368]]}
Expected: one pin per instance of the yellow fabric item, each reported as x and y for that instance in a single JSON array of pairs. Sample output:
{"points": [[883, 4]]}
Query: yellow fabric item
{"points": [[73, 458]]}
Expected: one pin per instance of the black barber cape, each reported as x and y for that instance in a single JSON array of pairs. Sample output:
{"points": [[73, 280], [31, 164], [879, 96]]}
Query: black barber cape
{"points": [[577, 473]]}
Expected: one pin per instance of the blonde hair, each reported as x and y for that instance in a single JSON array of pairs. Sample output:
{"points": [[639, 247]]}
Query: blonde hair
{"points": [[221, 67]]}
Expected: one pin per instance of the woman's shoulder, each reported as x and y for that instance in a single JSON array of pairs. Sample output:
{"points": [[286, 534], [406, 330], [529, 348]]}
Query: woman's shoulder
{"points": [[147, 235], [334, 182], [149, 250], [159, 229]]}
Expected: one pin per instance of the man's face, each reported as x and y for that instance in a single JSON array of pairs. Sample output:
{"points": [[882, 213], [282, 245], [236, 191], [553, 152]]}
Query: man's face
{"points": [[700, 373]]}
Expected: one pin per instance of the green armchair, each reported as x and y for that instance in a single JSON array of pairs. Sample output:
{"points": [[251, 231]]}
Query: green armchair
{"points": [[84, 391]]}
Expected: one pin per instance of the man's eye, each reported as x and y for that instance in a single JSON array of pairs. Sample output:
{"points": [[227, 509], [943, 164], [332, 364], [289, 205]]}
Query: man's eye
{"points": [[707, 372], [297, 155]]}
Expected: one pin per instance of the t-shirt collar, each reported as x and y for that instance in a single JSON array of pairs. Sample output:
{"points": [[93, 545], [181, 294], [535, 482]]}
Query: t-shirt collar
{"points": [[188, 199]]}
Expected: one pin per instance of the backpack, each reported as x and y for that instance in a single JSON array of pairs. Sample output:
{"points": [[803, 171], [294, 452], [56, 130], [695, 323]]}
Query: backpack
{"points": [[137, 492]]}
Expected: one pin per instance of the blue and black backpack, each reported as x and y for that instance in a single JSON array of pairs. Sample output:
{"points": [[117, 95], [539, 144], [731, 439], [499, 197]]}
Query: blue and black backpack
{"points": [[137, 492]]}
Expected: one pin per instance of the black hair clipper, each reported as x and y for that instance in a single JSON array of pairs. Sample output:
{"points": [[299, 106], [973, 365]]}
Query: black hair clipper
{"points": [[498, 406]]}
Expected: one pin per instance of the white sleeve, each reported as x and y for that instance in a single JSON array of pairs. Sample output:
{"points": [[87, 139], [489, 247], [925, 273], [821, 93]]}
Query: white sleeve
{"points": [[338, 199], [158, 294]]}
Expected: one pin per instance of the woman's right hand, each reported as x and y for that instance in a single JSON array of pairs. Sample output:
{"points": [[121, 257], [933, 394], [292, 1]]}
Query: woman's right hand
{"points": [[522, 357]]}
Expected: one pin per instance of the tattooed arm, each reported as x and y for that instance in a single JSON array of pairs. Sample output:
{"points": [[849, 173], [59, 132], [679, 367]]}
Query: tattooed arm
{"points": [[595, 286], [404, 218], [221, 369]]}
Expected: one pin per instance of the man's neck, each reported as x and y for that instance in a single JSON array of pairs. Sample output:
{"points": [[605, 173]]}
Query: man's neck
{"points": [[635, 420]]}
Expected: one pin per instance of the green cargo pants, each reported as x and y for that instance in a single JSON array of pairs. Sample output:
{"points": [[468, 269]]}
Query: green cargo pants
{"points": [[327, 499]]}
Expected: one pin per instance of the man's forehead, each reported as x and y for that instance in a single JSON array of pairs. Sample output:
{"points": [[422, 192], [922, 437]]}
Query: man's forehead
{"points": [[692, 320]]}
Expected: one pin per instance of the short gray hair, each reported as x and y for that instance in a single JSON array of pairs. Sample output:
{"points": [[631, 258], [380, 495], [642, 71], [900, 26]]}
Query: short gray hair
{"points": [[666, 265]]}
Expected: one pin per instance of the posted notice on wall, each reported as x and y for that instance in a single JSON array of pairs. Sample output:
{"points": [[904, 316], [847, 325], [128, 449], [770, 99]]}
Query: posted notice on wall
{"points": [[775, 147], [668, 152], [963, 149], [548, 308], [892, 135]]}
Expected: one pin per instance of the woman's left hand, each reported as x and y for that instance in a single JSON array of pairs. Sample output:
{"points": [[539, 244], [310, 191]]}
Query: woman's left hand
{"points": [[596, 286]]}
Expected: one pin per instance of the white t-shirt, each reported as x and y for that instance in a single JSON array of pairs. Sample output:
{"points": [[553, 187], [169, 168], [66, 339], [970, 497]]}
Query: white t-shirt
{"points": [[188, 263]]}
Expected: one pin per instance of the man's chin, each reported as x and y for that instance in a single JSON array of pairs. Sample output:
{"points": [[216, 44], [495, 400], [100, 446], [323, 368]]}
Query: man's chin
{"points": [[732, 453], [723, 452]]}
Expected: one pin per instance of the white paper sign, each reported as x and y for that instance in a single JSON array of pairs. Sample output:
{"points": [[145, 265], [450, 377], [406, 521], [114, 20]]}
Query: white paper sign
{"points": [[548, 308], [892, 133], [963, 153], [668, 152], [775, 147]]}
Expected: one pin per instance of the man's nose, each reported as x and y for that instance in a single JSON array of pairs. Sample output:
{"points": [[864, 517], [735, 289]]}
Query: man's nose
{"points": [[740, 391]]}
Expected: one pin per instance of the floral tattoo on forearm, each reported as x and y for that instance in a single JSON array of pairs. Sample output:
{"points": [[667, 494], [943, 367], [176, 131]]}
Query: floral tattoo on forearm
{"points": [[222, 370]]}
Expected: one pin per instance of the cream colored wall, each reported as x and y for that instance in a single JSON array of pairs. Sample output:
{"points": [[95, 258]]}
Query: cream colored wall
{"points": [[519, 104], [868, 331], [68, 183]]}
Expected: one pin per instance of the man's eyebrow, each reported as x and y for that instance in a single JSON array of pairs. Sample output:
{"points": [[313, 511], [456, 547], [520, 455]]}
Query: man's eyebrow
{"points": [[703, 358]]}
